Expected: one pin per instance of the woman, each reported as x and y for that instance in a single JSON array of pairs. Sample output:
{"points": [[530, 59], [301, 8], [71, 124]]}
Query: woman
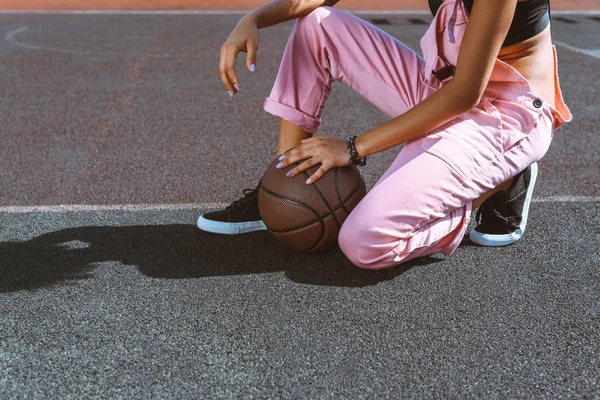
{"points": [[475, 114]]}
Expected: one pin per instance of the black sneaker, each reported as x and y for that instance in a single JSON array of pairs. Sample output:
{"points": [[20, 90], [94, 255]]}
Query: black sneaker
{"points": [[502, 218], [241, 216]]}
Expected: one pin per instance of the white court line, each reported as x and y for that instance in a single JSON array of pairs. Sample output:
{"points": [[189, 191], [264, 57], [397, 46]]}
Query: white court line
{"points": [[11, 37], [239, 12], [110, 207], [205, 206], [567, 199], [589, 52]]}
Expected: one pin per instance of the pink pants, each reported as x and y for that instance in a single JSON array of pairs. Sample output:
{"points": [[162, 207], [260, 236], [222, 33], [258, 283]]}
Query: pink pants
{"points": [[422, 203]]}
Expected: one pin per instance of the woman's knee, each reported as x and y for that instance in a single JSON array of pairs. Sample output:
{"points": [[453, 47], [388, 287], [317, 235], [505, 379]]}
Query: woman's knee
{"points": [[318, 14], [317, 18], [350, 243], [365, 247]]}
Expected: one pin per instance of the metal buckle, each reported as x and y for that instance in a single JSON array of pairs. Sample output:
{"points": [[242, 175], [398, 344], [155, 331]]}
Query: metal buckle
{"points": [[445, 73]]}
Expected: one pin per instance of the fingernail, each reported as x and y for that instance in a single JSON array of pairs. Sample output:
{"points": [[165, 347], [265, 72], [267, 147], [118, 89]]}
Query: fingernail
{"points": [[308, 181], [230, 94], [278, 166], [289, 173], [236, 87], [252, 67], [281, 157]]}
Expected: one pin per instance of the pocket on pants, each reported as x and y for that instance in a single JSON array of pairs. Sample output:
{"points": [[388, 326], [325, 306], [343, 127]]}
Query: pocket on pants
{"points": [[517, 121], [470, 142], [458, 157], [508, 137]]}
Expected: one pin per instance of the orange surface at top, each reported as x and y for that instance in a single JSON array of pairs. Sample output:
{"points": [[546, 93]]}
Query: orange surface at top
{"points": [[193, 4], [416, 5]]}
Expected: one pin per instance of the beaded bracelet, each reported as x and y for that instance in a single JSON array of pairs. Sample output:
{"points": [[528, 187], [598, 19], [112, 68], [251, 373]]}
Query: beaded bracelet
{"points": [[354, 157]]}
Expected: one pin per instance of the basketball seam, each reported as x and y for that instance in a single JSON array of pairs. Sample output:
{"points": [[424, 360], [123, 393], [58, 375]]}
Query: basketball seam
{"points": [[326, 202], [343, 205], [322, 238], [337, 191], [319, 219]]}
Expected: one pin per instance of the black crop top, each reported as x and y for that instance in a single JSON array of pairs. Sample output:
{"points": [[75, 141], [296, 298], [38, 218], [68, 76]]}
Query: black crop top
{"points": [[531, 17]]}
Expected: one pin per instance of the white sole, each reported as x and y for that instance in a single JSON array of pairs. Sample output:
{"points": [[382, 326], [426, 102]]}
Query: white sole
{"points": [[229, 228], [486, 239]]}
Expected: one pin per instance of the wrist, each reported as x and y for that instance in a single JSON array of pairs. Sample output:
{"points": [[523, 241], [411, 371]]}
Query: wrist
{"points": [[355, 158], [359, 145], [250, 18]]}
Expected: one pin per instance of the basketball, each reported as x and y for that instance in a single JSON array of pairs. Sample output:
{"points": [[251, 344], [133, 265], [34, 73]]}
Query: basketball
{"points": [[308, 218]]}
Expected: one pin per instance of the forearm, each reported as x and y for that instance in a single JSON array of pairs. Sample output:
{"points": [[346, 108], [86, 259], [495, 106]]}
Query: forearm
{"points": [[442, 106], [278, 11]]}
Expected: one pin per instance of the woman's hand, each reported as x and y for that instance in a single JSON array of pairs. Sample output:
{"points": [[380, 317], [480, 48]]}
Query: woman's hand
{"points": [[329, 152], [243, 38]]}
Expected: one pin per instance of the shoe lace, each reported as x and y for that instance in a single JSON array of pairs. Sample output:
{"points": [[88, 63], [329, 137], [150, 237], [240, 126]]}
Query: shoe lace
{"points": [[493, 209], [496, 210], [250, 197]]}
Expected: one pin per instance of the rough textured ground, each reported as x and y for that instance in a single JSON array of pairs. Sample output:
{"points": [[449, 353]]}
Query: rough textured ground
{"points": [[113, 109], [238, 4]]}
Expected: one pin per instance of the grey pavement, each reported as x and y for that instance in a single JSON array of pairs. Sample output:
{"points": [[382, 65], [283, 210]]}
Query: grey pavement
{"points": [[112, 109]]}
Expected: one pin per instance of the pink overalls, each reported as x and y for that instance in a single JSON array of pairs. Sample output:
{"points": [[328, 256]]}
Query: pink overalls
{"points": [[422, 203]]}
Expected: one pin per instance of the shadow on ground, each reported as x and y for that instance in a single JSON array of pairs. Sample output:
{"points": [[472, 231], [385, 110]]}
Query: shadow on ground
{"points": [[173, 252]]}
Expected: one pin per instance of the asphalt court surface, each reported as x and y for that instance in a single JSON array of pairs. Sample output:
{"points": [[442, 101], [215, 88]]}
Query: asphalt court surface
{"points": [[128, 109]]}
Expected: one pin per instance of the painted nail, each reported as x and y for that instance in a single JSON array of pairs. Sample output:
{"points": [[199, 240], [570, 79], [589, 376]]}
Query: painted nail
{"points": [[252, 67], [236, 87], [230, 94], [279, 166], [281, 157], [289, 173], [308, 181]]}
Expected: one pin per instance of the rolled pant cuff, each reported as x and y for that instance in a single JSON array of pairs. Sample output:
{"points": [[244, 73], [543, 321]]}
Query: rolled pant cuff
{"points": [[296, 117]]}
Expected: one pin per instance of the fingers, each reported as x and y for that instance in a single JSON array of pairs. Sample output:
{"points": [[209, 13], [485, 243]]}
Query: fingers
{"points": [[329, 152], [299, 153], [313, 156], [227, 69], [252, 49], [306, 165], [229, 54], [320, 172]]}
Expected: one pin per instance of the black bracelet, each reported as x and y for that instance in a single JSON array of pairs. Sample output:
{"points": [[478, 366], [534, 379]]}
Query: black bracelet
{"points": [[354, 157]]}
